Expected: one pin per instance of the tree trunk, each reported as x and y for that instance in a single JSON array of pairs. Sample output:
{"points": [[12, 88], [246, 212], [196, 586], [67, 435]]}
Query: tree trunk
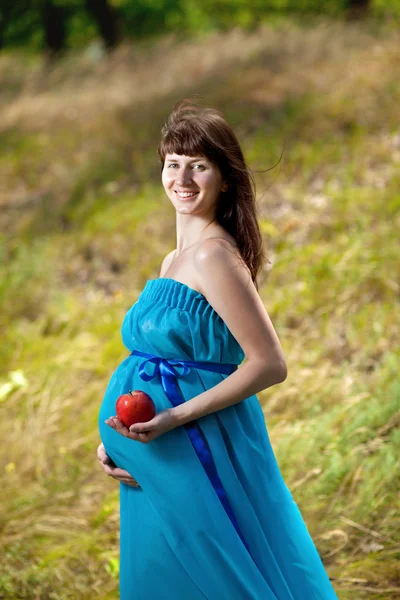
{"points": [[106, 19], [53, 19], [357, 9], [8, 11], [5, 12]]}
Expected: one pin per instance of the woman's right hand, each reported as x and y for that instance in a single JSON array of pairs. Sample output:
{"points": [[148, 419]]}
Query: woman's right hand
{"points": [[112, 470]]}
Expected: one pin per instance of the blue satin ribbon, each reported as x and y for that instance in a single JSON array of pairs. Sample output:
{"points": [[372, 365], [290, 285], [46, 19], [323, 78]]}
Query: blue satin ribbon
{"points": [[167, 368]]}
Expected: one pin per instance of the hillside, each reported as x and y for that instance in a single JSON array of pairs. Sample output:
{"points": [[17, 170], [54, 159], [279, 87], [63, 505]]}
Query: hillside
{"points": [[84, 223]]}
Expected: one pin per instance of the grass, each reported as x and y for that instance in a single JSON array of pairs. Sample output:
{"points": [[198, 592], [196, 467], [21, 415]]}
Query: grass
{"points": [[85, 223]]}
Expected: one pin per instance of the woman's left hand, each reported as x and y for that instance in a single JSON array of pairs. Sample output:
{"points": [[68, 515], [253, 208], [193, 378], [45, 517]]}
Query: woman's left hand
{"points": [[145, 432]]}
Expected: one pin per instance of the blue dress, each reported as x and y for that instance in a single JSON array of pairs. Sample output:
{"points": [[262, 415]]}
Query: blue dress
{"points": [[213, 518]]}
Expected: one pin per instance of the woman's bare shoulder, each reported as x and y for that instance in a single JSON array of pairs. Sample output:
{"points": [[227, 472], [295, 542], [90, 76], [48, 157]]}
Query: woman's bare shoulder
{"points": [[210, 246], [166, 262]]}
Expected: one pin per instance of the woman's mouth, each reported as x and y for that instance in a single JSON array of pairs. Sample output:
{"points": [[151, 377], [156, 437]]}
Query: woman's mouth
{"points": [[185, 195]]}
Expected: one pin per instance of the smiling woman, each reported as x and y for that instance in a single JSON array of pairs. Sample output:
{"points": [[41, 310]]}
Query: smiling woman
{"points": [[213, 517], [186, 179]]}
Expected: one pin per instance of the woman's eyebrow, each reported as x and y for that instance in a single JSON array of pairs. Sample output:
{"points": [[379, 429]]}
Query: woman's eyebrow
{"points": [[191, 160]]}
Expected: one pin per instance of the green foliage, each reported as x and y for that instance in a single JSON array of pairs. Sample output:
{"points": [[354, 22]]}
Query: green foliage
{"points": [[21, 23]]}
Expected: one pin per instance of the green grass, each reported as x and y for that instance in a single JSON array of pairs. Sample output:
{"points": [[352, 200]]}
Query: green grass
{"points": [[85, 223]]}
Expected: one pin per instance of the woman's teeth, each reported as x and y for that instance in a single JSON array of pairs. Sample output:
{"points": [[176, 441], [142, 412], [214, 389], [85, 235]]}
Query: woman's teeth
{"points": [[186, 194]]}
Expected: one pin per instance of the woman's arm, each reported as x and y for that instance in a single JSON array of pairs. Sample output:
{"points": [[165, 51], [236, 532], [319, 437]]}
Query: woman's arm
{"points": [[226, 283]]}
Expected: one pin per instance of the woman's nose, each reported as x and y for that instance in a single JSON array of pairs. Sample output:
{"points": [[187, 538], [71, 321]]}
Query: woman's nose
{"points": [[183, 176]]}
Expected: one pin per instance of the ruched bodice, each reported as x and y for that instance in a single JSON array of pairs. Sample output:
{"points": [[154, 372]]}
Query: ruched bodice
{"points": [[171, 318]]}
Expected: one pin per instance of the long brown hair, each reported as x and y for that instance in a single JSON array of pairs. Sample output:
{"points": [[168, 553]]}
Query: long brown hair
{"points": [[193, 130]]}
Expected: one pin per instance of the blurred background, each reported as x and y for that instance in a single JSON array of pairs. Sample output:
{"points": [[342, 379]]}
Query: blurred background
{"points": [[84, 221]]}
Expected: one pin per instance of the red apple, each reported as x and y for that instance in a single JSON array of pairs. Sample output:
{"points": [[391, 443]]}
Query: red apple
{"points": [[135, 407]]}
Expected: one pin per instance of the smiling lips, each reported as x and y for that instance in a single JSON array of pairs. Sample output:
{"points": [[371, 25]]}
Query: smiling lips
{"points": [[184, 195]]}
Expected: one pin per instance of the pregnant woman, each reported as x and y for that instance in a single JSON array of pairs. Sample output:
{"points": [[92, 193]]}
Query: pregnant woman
{"points": [[204, 510]]}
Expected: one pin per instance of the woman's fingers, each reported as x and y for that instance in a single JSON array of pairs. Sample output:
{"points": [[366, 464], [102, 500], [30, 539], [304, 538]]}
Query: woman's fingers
{"points": [[113, 471], [116, 424], [102, 455], [129, 481], [116, 471], [144, 437], [120, 475]]}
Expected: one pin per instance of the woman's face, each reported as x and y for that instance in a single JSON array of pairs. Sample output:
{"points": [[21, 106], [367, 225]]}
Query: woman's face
{"points": [[192, 183]]}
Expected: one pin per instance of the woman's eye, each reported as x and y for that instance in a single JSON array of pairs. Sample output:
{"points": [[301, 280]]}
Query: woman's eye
{"points": [[198, 166]]}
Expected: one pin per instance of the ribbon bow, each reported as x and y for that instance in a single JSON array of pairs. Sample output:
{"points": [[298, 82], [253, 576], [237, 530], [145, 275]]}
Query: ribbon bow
{"points": [[162, 365]]}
